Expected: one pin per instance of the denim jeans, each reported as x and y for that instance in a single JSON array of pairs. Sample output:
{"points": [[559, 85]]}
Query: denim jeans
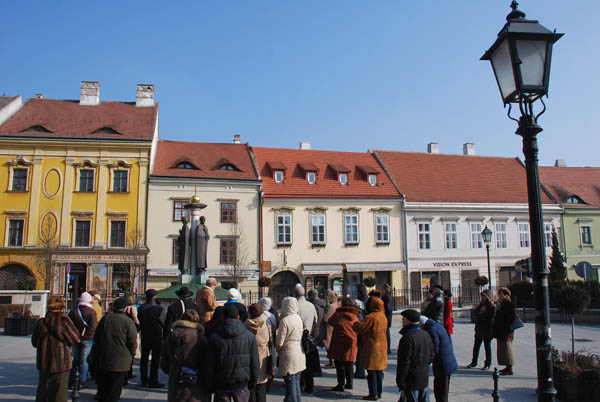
{"points": [[417, 395], [375, 382], [80, 353], [292, 388]]}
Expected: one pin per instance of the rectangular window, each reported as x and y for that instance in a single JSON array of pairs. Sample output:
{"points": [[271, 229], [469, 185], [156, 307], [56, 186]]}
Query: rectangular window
{"points": [[117, 234], [343, 177], [476, 237], [501, 235], [228, 251], [278, 176], [228, 212], [19, 181], [120, 181], [351, 228], [284, 229], [451, 235], [86, 180], [15, 232], [424, 236], [311, 177], [82, 233], [382, 228], [586, 235], [523, 235], [317, 228], [179, 210], [175, 250], [548, 234]]}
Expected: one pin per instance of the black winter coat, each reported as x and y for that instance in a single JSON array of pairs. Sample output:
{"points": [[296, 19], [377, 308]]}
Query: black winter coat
{"points": [[505, 315], [232, 359], [319, 330], [434, 309], [388, 306], [484, 320], [175, 311], [152, 321], [415, 353]]}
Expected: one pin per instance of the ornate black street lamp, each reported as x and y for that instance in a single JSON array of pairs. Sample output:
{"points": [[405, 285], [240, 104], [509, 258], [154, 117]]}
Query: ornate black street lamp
{"points": [[487, 239], [520, 57]]}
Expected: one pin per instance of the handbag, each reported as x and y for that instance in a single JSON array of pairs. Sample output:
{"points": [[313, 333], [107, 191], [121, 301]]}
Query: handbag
{"points": [[188, 376], [517, 323], [308, 343]]}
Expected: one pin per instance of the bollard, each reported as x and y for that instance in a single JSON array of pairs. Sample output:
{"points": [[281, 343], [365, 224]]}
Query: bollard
{"points": [[75, 394], [495, 394]]}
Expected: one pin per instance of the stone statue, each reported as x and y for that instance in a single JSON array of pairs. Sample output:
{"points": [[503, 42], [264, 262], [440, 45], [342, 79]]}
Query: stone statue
{"points": [[183, 241], [202, 238]]}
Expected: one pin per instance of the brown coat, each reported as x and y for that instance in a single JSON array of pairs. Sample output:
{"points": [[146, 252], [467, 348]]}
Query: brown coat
{"points": [[263, 341], [207, 301], [53, 346], [344, 343], [373, 352]]}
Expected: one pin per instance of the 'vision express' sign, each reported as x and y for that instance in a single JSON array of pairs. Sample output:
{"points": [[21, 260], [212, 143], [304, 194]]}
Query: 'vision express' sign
{"points": [[445, 264]]}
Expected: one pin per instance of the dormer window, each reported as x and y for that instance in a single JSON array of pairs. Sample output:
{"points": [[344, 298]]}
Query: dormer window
{"points": [[227, 166], [343, 178], [106, 130], [373, 179], [370, 173], [185, 165], [574, 200], [278, 176], [36, 129], [311, 177]]}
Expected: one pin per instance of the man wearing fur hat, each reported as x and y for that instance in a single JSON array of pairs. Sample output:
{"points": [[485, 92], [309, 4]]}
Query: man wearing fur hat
{"points": [[176, 310], [415, 353]]}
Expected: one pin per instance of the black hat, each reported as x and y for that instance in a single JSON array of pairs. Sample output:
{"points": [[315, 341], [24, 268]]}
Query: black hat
{"points": [[447, 293], [411, 315], [184, 292], [231, 311], [150, 293], [120, 303]]}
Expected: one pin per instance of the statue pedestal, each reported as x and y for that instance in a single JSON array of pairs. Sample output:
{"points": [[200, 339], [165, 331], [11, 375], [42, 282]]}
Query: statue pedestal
{"points": [[200, 278]]}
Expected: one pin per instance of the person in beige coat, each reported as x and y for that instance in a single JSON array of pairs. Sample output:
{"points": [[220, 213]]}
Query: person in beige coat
{"points": [[259, 327], [287, 343], [206, 300], [332, 305]]}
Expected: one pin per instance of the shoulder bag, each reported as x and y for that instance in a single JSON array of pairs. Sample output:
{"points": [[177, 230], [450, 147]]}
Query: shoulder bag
{"points": [[517, 323]]}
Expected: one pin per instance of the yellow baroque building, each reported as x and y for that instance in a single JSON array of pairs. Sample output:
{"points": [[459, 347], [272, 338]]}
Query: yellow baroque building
{"points": [[73, 188]]}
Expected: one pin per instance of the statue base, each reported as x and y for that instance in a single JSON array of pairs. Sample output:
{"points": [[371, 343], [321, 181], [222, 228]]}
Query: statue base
{"points": [[188, 278]]}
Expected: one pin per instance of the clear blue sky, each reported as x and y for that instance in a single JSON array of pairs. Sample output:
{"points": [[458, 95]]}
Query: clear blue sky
{"points": [[342, 74]]}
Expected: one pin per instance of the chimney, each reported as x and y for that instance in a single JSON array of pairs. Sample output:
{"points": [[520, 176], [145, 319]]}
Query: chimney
{"points": [[433, 148], [237, 139], [145, 95], [305, 145], [90, 93], [40, 96], [560, 163], [468, 148]]}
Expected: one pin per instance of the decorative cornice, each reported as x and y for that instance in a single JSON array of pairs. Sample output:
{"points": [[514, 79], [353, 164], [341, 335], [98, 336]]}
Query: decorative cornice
{"points": [[85, 162], [117, 214], [381, 210], [16, 213], [350, 210], [119, 162], [316, 210], [20, 160], [283, 210], [82, 213]]}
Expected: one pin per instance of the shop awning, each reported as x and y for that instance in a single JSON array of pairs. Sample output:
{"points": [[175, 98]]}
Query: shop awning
{"points": [[375, 266], [321, 269]]}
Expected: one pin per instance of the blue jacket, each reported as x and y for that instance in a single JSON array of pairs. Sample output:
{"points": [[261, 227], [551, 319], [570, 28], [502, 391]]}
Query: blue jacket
{"points": [[444, 362]]}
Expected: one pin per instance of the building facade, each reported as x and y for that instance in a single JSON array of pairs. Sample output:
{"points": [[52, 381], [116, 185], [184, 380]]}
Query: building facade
{"points": [[74, 201], [224, 177]]}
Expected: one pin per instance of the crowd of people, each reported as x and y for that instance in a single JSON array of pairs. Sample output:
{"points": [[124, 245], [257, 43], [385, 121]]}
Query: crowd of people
{"points": [[233, 352]]}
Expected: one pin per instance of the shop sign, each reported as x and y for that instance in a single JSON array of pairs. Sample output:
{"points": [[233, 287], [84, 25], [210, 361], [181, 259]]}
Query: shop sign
{"points": [[90, 258], [452, 264]]}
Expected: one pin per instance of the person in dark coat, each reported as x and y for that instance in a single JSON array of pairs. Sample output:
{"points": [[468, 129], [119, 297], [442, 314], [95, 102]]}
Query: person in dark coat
{"points": [[434, 305], [176, 310], [115, 344], [484, 325], [185, 347], [320, 305], [415, 353], [232, 365], [505, 315], [344, 342], [85, 319], [152, 320], [52, 337], [388, 305], [361, 293], [444, 361]]}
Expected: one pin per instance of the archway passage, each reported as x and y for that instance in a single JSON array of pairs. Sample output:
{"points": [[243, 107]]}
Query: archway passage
{"points": [[10, 275], [282, 285]]}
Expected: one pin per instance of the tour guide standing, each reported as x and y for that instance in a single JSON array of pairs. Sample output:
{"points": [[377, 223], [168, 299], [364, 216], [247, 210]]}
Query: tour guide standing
{"points": [[115, 343], [415, 353], [152, 318], [232, 361], [176, 310]]}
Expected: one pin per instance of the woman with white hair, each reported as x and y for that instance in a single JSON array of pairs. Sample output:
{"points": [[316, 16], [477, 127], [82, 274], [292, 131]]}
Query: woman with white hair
{"points": [[287, 343]]}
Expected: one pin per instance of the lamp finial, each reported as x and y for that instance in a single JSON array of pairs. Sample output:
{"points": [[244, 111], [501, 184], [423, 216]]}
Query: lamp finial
{"points": [[515, 13]]}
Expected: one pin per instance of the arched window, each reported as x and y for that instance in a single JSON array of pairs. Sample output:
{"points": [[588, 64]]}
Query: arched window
{"points": [[227, 166], [106, 130], [185, 165], [36, 129], [574, 200]]}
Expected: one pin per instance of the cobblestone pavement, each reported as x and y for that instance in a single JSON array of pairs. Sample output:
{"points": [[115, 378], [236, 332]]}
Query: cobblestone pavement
{"points": [[18, 375]]}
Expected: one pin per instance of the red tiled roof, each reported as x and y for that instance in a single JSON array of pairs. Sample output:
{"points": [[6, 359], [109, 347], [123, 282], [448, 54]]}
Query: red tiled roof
{"points": [[204, 156], [424, 177], [337, 168], [276, 165], [67, 118], [308, 167], [366, 169], [564, 182], [295, 184]]}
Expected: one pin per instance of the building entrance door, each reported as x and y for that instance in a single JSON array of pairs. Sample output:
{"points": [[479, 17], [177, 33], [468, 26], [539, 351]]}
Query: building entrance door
{"points": [[77, 284]]}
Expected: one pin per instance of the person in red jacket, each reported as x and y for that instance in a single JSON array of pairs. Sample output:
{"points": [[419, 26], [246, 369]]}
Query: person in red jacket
{"points": [[448, 321]]}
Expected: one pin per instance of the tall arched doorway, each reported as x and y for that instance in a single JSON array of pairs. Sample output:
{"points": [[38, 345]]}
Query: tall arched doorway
{"points": [[10, 275], [282, 285]]}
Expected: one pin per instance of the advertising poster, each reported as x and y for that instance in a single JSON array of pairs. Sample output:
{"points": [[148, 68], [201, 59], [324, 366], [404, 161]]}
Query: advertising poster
{"points": [[99, 276]]}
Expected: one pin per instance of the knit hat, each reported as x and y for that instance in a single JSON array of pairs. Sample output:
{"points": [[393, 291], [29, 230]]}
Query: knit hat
{"points": [[411, 315], [233, 294], [85, 298], [423, 319], [150, 293], [231, 311], [119, 304], [265, 303]]}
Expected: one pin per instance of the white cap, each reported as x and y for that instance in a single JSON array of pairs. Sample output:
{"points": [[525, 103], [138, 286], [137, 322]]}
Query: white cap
{"points": [[233, 294]]}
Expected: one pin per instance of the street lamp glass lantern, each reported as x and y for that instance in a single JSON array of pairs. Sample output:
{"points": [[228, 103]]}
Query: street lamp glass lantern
{"points": [[520, 58], [487, 235]]}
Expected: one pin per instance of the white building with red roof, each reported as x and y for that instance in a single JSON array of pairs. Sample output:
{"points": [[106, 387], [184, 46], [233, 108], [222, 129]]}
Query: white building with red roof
{"points": [[329, 219]]}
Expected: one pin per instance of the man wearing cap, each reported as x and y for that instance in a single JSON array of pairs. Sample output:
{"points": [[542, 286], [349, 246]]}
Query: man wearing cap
{"points": [[444, 361], [115, 343], [415, 353], [85, 319], [152, 320], [232, 361], [234, 297], [176, 310]]}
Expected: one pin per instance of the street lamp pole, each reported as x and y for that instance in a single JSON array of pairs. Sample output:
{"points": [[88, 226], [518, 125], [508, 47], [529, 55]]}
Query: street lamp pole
{"points": [[487, 239], [521, 57]]}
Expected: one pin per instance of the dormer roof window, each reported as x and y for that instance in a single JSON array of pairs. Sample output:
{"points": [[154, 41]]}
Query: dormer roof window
{"points": [[574, 200], [106, 130], [311, 177], [278, 170], [310, 171], [370, 173], [185, 165], [341, 172], [278, 176], [225, 164], [36, 129], [343, 178]]}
